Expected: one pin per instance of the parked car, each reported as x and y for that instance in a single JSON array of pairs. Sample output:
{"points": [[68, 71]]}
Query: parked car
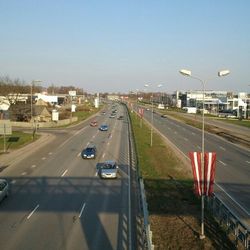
{"points": [[93, 123], [89, 152], [103, 127], [4, 189], [108, 169]]}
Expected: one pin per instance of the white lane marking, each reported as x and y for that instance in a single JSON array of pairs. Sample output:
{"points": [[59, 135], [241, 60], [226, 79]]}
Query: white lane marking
{"points": [[50, 153], [44, 158], [33, 166], [183, 129], [175, 132], [223, 163], [33, 211], [83, 206], [193, 133], [64, 172], [233, 199], [13, 182], [103, 155], [23, 173], [79, 154], [96, 173], [222, 148], [108, 143], [248, 162], [186, 139]]}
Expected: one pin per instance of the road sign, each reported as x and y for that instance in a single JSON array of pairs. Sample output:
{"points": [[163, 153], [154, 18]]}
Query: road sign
{"points": [[5, 127]]}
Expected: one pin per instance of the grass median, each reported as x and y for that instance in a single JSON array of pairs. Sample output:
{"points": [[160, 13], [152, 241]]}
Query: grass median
{"points": [[174, 211]]}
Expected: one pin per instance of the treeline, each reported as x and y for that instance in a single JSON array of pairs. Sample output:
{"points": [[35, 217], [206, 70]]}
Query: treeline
{"points": [[17, 86]]}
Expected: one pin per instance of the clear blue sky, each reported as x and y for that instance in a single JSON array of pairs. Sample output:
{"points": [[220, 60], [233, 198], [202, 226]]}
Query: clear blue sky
{"points": [[120, 45]]}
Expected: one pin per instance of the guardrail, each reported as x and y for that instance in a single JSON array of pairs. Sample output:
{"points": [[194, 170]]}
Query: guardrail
{"points": [[232, 223], [145, 232]]}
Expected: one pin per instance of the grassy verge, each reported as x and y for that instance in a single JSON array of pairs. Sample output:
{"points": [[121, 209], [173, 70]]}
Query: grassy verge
{"points": [[174, 210], [16, 140]]}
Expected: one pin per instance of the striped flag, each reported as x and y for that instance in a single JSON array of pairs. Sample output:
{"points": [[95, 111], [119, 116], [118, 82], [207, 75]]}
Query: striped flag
{"points": [[209, 159], [196, 168], [209, 172]]}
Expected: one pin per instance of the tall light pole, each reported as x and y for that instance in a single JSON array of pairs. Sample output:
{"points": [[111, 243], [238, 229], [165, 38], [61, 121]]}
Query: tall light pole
{"points": [[203, 82], [31, 105], [152, 113]]}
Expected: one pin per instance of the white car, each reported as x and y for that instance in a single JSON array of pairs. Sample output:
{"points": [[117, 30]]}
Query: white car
{"points": [[4, 189]]}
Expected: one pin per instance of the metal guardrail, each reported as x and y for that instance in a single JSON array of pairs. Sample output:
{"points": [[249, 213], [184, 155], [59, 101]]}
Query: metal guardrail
{"points": [[146, 233], [232, 223]]}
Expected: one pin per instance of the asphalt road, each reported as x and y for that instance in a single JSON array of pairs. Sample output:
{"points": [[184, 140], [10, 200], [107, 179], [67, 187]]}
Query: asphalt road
{"points": [[233, 162], [57, 200]]}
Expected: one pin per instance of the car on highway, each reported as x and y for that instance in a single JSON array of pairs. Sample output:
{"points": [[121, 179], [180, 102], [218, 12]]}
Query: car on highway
{"points": [[89, 152], [112, 115], [164, 116], [120, 117], [103, 127], [93, 123], [4, 189], [108, 170]]}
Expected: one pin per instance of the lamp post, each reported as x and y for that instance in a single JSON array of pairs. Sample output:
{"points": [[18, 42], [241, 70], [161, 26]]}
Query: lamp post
{"points": [[221, 73], [152, 113], [31, 104]]}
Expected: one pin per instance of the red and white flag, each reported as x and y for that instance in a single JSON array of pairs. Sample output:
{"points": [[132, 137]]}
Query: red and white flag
{"points": [[196, 168], [209, 160], [209, 172], [141, 112]]}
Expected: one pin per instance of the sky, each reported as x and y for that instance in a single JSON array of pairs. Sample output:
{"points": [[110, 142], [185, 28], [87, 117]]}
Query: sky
{"points": [[121, 45]]}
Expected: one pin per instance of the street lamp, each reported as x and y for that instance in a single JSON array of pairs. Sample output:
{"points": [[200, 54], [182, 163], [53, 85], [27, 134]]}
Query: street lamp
{"points": [[31, 104], [188, 73], [152, 113]]}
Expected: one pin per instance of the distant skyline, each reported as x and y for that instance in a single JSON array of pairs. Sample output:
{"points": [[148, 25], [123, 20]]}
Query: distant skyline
{"points": [[119, 46]]}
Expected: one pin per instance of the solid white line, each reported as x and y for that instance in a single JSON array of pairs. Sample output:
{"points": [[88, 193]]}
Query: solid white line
{"points": [[223, 163], [222, 148], [33, 166], [83, 206], [64, 172], [33, 211]]}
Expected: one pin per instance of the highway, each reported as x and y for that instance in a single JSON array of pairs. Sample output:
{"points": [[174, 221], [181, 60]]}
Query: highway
{"points": [[232, 167], [57, 200]]}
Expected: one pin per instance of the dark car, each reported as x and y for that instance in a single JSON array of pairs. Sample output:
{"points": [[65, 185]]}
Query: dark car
{"points": [[89, 152], [120, 117], [4, 189], [103, 127]]}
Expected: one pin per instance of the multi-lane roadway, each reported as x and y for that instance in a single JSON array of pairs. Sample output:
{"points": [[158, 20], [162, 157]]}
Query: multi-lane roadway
{"points": [[58, 201]]}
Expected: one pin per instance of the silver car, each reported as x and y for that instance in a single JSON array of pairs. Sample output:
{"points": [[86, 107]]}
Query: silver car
{"points": [[4, 189], [108, 169]]}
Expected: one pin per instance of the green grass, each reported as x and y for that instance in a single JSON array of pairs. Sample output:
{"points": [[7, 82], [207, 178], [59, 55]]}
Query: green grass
{"points": [[244, 123], [16, 140]]}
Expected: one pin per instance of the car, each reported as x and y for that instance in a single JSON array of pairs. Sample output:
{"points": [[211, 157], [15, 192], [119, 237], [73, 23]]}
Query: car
{"points": [[103, 127], [112, 115], [4, 189], [108, 170], [89, 152], [164, 116], [120, 117], [93, 123]]}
